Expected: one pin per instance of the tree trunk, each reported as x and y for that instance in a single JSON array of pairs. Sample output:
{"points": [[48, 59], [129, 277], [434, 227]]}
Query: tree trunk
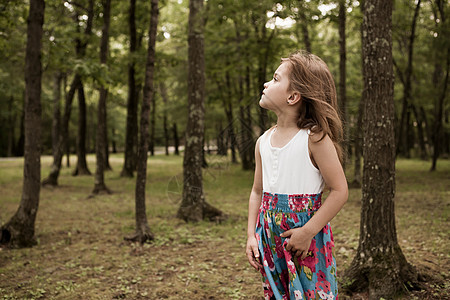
{"points": [[304, 25], [19, 230], [152, 125], [193, 206], [342, 77], [113, 142], [357, 182], [143, 232], [131, 130], [21, 141], [56, 122], [82, 168], [11, 122], [402, 137], [440, 82], [101, 145], [162, 88], [420, 133], [379, 264], [63, 142], [176, 141]]}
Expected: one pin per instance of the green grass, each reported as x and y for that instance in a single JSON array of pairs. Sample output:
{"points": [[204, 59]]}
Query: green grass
{"points": [[81, 253]]}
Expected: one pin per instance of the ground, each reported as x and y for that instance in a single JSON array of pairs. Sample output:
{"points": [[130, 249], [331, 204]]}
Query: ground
{"points": [[81, 253]]}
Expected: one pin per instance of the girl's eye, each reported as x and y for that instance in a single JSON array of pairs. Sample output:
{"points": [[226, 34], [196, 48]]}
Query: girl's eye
{"points": [[275, 79]]}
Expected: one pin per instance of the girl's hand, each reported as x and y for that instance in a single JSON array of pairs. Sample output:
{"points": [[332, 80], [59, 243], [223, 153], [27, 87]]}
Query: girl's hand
{"points": [[253, 253], [299, 241]]}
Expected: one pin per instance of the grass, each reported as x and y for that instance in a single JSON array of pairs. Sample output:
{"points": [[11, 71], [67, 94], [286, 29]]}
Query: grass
{"points": [[81, 253]]}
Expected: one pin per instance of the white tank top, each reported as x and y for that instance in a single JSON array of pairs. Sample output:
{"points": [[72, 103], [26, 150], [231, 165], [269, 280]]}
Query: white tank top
{"points": [[289, 170]]}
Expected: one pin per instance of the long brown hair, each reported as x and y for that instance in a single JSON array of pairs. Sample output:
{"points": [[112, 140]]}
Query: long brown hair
{"points": [[319, 111]]}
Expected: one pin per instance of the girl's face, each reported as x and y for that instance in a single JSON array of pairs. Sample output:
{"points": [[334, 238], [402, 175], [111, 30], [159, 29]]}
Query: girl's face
{"points": [[275, 93]]}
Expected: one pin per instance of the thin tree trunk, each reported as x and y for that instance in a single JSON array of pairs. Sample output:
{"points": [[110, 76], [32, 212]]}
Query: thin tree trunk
{"points": [[19, 230], [100, 152], [82, 168], [143, 232], [165, 98], [151, 147], [379, 264], [441, 84], [176, 141], [10, 126], [131, 130], [56, 122], [63, 140], [342, 77], [304, 26], [420, 133], [402, 137], [113, 142], [193, 206], [357, 182], [21, 141]]}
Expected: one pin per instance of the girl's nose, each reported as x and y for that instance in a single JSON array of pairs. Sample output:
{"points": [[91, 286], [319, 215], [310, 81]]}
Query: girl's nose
{"points": [[266, 85]]}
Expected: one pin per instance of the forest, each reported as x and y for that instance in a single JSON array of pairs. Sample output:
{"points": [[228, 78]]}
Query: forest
{"points": [[153, 105]]}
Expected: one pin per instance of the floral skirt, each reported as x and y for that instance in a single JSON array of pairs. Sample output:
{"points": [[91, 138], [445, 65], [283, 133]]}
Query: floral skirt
{"points": [[284, 276]]}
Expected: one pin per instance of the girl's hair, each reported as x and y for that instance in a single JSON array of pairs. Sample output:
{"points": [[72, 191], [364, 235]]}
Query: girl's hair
{"points": [[319, 112]]}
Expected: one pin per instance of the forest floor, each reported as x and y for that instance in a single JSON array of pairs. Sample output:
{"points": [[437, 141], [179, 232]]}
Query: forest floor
{"points": [[81, 252]]}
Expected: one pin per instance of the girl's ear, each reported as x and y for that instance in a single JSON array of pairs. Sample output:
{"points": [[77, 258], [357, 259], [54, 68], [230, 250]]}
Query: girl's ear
{"points": [[294, 98]]}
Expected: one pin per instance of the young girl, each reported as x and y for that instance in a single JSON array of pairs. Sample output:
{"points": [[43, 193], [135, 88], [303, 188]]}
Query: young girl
{"points": [[289, 235]]}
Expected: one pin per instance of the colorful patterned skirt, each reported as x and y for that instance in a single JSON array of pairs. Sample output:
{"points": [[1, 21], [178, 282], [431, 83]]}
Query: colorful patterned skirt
{"points": [[284, 276]]}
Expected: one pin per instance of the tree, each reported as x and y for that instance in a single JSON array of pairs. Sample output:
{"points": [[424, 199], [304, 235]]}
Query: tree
{"points": [[343, 75], [101, 144], [379, 264], [62, 144], [143, 233], [405, 79], [194, 206], [131, 130], [19, 231], [440, 77], [82, 168]]}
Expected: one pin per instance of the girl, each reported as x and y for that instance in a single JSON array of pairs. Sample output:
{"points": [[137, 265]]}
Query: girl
{"points": [[289, 235]]}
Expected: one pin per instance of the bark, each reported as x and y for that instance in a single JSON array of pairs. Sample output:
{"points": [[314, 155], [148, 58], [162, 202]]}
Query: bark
{"points": [[162, 88], [81, 168], [56, 122], [19, 230], [176, 141], [304, 26], [193, 205], [379, 264], [143, 233], [342, 76], [100, 186], [402, 137], [131, 129]]}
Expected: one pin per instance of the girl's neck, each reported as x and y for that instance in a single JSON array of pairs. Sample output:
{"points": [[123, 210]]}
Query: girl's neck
{"points": [[286, 122]]}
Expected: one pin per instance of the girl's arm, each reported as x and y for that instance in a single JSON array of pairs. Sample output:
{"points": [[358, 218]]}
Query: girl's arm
{"points": [[253, 209], [326, 158]]}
